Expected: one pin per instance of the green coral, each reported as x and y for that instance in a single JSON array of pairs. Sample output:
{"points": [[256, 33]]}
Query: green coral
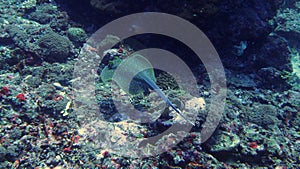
{"points": [[56, 48], [76, 35], [224, 141], [293, 78], [287, 20]]}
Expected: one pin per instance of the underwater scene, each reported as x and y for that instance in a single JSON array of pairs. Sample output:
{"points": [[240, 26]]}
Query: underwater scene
{"points": [[157, 84]]}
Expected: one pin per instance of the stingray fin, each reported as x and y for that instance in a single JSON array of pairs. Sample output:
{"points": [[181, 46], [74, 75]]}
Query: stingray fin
{"points": [[106, 74]]}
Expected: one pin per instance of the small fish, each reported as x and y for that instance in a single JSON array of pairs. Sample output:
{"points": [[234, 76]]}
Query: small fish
{"points": [[132, 73]]}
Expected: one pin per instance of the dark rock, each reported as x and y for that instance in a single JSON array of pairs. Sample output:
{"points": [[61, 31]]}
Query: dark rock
{"points": [[61, 73], [43, 14], [15, 134], [60, 130], [18, 36], [246, 24], [271, 78], [61, 22], [46, 91], [241, 80], [4, 165], [54, 108], [25, 35], [275, 53], [263, 115], [3, 153], [287, 25], [33, 81], [240, 22], [293, 98], [205, 8], [12, 152]]}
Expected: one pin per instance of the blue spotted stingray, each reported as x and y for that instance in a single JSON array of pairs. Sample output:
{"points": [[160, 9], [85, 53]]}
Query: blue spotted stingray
{"points": [[134, 75]]}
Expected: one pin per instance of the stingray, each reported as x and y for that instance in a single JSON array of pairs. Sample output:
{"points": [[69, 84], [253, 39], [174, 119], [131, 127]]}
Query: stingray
{"points": [[135, 74]]}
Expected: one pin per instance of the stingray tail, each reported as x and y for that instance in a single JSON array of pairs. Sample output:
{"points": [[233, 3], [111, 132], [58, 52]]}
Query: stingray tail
{"points": [[166, 99], [178, 111]]}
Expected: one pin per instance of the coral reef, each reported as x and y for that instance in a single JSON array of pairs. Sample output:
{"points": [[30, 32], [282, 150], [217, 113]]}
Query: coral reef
{"points": [[258, 42]]}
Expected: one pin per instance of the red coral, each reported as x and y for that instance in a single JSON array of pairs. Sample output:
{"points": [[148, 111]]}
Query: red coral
{"points": [[75, 139], [67, 149], [5, 90], [58, 97], [253, 145], [21, 97]]}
